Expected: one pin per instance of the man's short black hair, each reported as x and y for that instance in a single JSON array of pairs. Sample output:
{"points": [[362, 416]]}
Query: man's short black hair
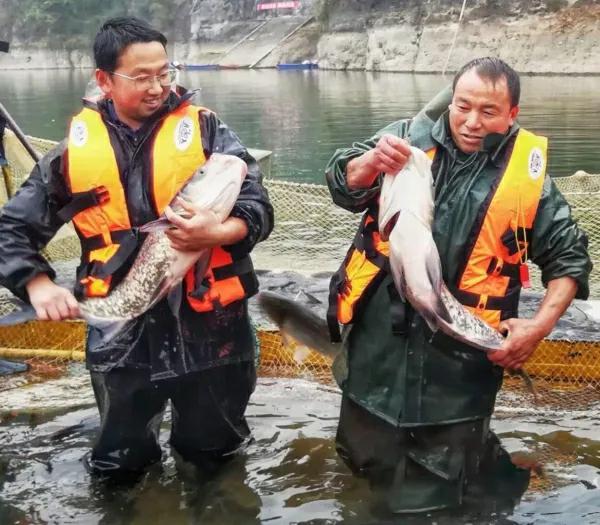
{"points": [[494, 69], [118, 33]]}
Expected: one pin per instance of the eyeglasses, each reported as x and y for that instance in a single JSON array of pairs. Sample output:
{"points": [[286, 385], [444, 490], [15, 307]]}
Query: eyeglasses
{"points": [[144, 82]]}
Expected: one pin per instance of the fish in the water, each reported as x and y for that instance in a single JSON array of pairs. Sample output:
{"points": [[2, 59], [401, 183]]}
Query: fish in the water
{"points": [[159, 268], [405, 216], [298, 322]]}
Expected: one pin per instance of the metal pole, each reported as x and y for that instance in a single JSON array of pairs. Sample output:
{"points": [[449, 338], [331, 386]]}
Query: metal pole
{"points": [[17, 131], [4, 46]]}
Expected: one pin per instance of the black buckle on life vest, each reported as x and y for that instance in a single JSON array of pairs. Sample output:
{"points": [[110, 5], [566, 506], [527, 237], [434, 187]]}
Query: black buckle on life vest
{"points": [[201, 289], [234, 269], [499, 267], [127, 241], [510, 238], [84, 200], [489, 302], [335, 286]]}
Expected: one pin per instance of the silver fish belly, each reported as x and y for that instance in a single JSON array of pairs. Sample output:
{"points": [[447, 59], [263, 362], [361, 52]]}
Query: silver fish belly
{"points": [[405, 216]]}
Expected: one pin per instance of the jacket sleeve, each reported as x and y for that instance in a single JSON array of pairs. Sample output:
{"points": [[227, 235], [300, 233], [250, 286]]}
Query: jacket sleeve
{"points": [[559, 246], [335, 173], [253, 205], [29, 221]]}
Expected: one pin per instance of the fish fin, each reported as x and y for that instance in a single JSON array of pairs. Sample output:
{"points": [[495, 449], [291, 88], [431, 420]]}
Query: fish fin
{"points": [[174, 297], [527, 381], [387, 228], [434, 272], [160, 224], [301, 353], [109, 328]]}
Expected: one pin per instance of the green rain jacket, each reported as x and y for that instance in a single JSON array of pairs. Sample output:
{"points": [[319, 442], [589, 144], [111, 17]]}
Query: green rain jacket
{"points": [[406, 379]]}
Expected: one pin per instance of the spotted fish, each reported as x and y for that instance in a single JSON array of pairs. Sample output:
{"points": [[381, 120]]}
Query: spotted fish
{"points": [[159, 268]]}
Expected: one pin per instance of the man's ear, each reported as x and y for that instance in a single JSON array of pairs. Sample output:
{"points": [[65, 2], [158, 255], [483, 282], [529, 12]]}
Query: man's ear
{"points": [[104, 81], [514, 111]]}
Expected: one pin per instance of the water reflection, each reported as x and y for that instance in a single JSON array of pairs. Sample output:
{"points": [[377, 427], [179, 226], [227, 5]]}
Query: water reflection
{"points": [[303, 116], [289, 474]]}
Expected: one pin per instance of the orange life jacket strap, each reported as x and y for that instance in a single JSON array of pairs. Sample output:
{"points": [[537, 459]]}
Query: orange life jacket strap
{"points": [[237, 268]]}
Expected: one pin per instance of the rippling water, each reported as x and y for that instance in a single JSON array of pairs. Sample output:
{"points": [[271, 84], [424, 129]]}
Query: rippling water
{"points": [[289, 474], [303, 116]]}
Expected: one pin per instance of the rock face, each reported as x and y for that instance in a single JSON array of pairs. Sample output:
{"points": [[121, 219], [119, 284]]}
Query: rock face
{"points": [[535, 36]]}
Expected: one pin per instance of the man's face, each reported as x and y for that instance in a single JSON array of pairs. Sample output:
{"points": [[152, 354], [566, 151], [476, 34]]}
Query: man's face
{"points": [[132, 104], [479, 107]]}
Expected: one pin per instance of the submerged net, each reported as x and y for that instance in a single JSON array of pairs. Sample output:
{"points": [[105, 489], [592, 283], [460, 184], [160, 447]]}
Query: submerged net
{"points": [[312, 235]]}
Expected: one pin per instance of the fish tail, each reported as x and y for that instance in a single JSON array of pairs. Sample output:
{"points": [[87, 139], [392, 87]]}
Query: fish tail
{"points": [[528, 384], [298, 323]]}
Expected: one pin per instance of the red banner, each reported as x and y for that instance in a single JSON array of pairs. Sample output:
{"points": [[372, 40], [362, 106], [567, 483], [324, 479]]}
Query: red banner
{"points": [[266, 6]]}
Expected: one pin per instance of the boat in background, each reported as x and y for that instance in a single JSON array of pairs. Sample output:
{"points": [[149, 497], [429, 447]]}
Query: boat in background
{"points": [[200, 67], [298, 65]]}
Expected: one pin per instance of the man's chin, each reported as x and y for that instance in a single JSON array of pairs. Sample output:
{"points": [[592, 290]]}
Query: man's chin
{"points": [[469, 148]]}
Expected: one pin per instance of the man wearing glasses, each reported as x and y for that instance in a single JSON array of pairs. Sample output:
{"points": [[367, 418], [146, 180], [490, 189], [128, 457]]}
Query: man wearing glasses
{"points": [[126, 153]]}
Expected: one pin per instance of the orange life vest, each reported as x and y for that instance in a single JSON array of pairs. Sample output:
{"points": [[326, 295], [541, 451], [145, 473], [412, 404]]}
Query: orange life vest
{"points": [[99, 208], [490, 282]]}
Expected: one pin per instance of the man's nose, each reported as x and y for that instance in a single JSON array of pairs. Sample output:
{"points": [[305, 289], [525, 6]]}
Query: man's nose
{"points": [[473, 121], [155, 86]]}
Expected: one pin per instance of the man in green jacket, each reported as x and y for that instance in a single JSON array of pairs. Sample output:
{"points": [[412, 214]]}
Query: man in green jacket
{"points": [[416, 409]]}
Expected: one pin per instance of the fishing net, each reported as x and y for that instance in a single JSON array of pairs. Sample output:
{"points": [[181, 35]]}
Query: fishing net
{"points": [[312, 235]]}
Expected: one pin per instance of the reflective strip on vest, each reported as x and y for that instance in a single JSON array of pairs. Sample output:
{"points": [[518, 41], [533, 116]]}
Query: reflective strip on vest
{"points": [[361, 268], [512, 208]]}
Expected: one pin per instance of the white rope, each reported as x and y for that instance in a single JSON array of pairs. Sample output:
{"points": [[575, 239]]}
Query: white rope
{"points": [[462, 12]]}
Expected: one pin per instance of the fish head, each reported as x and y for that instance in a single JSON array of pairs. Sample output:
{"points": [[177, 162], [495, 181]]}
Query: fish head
{"points": [[411, 189], [215, 185]]}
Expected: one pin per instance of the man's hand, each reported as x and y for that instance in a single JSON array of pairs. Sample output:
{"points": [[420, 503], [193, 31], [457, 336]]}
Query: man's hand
{"points": [[202, 229], [50, 301], [390, 155], [524, 336]]}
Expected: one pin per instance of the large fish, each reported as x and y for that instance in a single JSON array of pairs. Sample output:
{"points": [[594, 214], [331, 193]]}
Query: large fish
{"points": [[159, 268], [405, 216]]}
